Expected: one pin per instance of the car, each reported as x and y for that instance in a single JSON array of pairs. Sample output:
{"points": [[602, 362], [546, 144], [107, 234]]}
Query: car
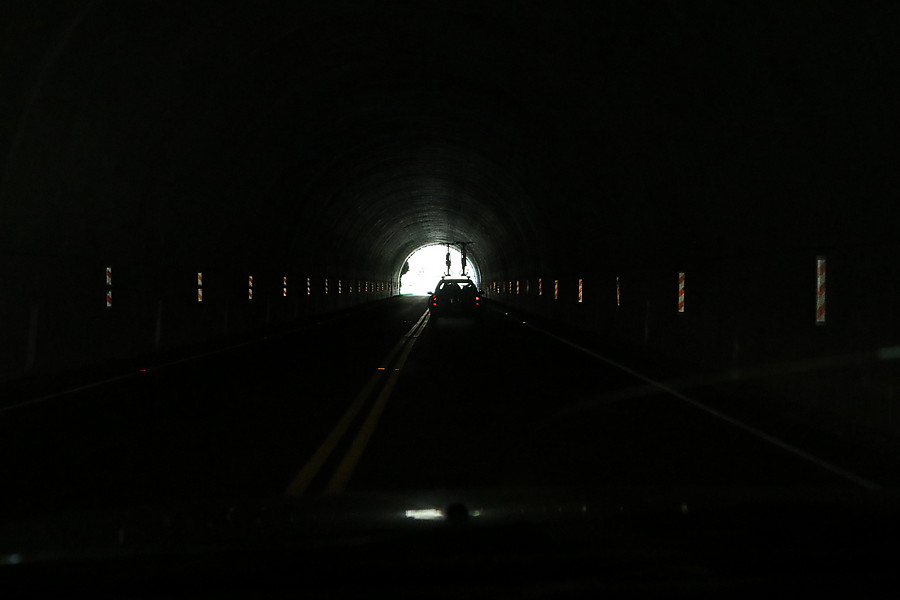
{"points": [[455, 297]]}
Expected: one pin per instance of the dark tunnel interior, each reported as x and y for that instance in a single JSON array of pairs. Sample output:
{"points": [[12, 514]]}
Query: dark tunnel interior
{"points": [[677, 373], [611, 143]]}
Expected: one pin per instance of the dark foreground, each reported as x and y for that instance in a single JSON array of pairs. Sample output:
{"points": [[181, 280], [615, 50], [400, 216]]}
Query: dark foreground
{"points": [[545, 470]]}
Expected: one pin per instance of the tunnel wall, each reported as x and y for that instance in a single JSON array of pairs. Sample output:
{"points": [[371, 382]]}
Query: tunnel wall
{"points": [[56, 319], [753, 320]]}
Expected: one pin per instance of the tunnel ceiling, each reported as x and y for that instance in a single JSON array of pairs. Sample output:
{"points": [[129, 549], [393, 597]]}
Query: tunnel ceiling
{"points": [[561, 135]]}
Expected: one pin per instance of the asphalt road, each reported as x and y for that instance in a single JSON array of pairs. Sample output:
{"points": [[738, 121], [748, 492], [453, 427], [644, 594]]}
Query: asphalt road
{"points": [[386, 399]]}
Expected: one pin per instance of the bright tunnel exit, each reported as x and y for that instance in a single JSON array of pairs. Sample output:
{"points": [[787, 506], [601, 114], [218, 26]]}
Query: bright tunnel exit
{"points": [[427, 265]]}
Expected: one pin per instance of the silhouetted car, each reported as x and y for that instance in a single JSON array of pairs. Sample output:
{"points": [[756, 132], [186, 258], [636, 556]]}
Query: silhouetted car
{"points": [[460, 297]]}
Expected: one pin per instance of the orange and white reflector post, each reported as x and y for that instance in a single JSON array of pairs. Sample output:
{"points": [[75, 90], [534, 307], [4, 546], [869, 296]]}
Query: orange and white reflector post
{"points": [[509, 288], [199, 287], [199, 280], [339, 286], [556, 289], [580, 281], [250, 287], [199, 294], [517, 288], [285, 285], [820, 290], [681, 292], [326, 287], [540, 286], [308, 287], [618, 292], [108, 287]]}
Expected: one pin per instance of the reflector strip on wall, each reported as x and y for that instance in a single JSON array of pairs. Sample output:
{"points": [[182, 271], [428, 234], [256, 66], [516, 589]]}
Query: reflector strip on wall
{"points": [[285, 285], [250, 293], [199, 294], [339, 286], [579, 289], [308, 287], [556, 289], [199, 280], [108, 275], [618, 292], [820, 290], [540, 287], [517, 288], [250, 287], [326, 287], [681, 293], [108, 298]]}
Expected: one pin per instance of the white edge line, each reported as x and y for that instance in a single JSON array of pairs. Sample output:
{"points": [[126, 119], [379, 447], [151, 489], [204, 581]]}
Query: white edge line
{"points": [[696, 404]]}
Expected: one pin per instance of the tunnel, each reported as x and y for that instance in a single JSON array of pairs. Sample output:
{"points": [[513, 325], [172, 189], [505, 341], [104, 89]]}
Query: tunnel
{"points": [[677, 370], [673, 177], [591, 155]]}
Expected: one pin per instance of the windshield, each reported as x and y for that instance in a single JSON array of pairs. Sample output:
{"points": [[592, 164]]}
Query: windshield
{"points": [[684, 218]]}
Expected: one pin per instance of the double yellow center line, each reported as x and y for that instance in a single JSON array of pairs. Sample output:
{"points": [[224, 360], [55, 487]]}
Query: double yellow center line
{"points": [[344, 470]]}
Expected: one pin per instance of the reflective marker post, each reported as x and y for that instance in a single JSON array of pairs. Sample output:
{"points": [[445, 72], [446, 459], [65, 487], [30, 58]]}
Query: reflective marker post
{"points": [[820, 290], [681, 292], [579, 289], [618, 292]]}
